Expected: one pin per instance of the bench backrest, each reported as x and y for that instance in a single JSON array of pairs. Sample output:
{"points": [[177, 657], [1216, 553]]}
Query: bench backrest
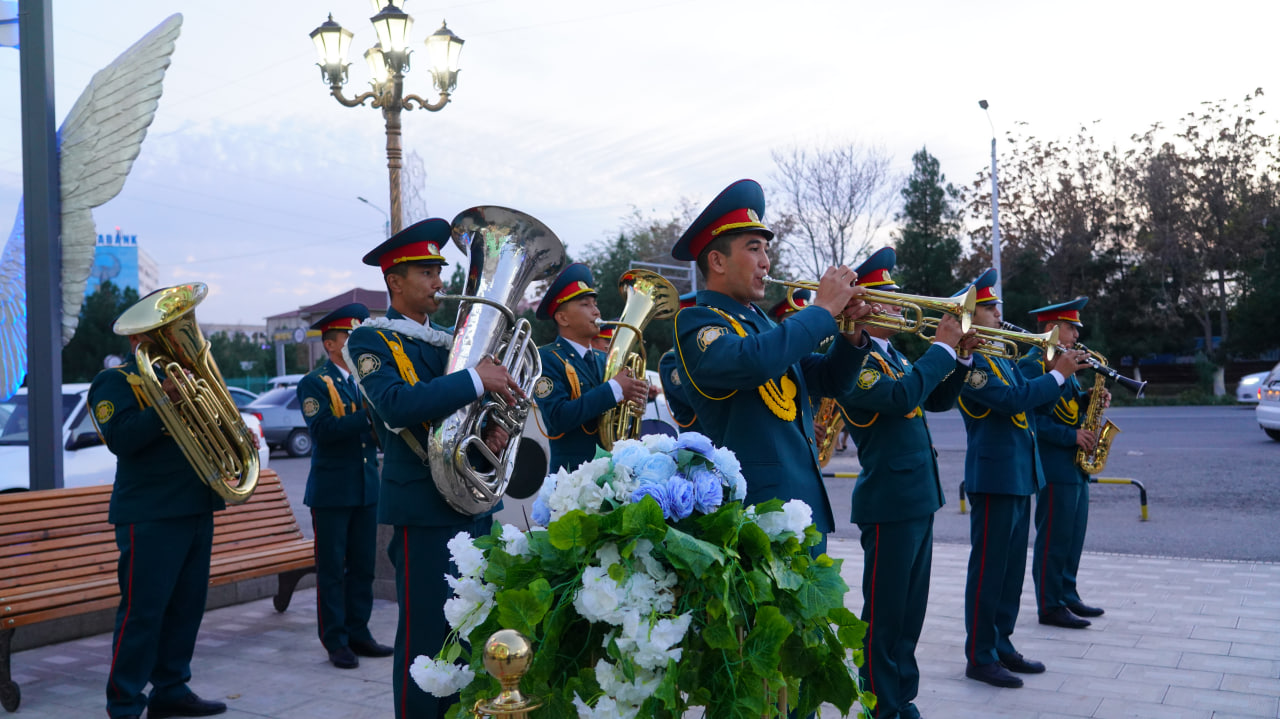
{"points": [[58, 553]]}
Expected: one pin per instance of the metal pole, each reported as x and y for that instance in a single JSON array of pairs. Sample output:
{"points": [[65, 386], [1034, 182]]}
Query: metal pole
{"points": [[42, 221], [995, 221], [391, 111]]}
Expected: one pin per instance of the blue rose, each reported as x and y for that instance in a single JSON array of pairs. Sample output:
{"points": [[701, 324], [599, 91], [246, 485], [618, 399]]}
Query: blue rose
{"points": [[630, 456], [541, 513], [696, 443], [654, 469], [655, 490], [708, 489], [680, 493]]}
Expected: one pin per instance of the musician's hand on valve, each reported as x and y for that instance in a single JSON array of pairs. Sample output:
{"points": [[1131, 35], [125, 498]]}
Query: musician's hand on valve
{"points": [[969, 342], [949, 332], [1086, 440], [819, 432], [495, 438], [1106, 398], [634, 390], [497, 380], [835, 289], [170, 390]]}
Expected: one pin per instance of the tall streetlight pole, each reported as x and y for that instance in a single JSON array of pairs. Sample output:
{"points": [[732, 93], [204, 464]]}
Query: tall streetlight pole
{"points": [[387, 227], [995, 205], [388, 61]]}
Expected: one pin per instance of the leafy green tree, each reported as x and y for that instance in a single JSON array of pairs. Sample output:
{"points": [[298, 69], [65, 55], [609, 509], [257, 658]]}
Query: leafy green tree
{"points": [[240, 356], [94, 341], [928, 240]]}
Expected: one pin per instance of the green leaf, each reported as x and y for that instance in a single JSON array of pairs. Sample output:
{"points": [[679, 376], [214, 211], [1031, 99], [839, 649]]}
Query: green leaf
{"points": [[644, 519], [721, 526], [754, 544], [822, 589], [575, 530], [719, 633], [523, 609], [690, 553], [763, 642]]}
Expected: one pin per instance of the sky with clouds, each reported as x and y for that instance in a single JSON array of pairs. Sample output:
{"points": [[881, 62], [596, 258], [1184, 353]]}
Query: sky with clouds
{"points": [[579, 112]]}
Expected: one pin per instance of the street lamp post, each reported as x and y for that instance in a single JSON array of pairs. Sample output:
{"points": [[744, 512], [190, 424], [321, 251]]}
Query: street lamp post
{"points": [[388, 61], [995, 205], [387, 226]]}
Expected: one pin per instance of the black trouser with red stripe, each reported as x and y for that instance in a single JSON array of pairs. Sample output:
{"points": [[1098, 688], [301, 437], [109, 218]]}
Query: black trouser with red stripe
{"points": [[999, 525], [164, 580], [420, 556], [346, 540], [1062, 517], [897, 557]]}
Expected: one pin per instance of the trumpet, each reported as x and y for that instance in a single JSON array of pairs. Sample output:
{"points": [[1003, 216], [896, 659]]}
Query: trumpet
{"points": [[911, 320], [1004, 342], [1097, 362]]}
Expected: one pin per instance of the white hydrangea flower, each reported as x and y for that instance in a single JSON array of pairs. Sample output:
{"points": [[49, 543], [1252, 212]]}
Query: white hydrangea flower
{"points": [[615, 685], [438, 678], [514, 541], [608, 555], [659, 443], [652, 644], [600, 598], [606, 708], [794, 517], [465, 555], [470, 605]]}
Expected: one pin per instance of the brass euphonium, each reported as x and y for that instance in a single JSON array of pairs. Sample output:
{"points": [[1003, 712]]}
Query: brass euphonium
{"points": [[205, 421], [508, 250], [649, 296]]}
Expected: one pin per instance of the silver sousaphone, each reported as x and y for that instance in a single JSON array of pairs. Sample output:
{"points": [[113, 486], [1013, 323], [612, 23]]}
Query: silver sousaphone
{"points": [[508, 250]]}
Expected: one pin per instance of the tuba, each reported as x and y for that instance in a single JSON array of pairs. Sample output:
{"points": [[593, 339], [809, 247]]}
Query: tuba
{"points": [[508, 251], [649, 296], [204, 421]]}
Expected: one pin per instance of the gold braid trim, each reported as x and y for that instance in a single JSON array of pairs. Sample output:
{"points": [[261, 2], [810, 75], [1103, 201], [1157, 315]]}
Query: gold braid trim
{"points": [[335, 402], [1020, 419], [896, 373], [780, 395], [403, 364], [575, 391]]}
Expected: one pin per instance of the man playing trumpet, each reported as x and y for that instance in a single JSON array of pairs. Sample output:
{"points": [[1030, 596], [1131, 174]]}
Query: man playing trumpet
{"points": [[1002, 470], [748, 379], [898, 489], [1062, 505]]}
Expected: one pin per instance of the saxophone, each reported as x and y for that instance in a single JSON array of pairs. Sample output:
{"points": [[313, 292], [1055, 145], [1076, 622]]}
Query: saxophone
{"points": [[1093, 462], [828, 416]]}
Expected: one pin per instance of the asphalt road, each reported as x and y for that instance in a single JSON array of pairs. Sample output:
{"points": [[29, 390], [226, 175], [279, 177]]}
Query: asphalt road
{"points": [[1212, 480]]}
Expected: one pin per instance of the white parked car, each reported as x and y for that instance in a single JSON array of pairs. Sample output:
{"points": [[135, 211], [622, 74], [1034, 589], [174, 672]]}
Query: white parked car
{"points": [[85, 459], [1247, 389], [1268, 409]]}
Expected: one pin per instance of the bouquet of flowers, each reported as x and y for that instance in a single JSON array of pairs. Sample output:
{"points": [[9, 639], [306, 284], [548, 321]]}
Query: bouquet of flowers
{"points": [[648, 589]]}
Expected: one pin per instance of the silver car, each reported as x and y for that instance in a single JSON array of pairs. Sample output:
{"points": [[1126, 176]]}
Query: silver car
{"points": [[282, 424], [1268, 409], [1247, 389]]}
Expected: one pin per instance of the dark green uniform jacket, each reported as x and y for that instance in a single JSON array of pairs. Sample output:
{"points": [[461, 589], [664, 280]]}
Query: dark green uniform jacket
{"points": [[571, 395], [996, 404], [153, 478], [883, 412], [723, 373], [344, 463], [408, 495], [1056, 424], [681, 411]]}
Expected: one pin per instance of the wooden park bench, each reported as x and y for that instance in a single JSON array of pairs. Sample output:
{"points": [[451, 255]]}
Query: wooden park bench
{"points": [[58, 556]]}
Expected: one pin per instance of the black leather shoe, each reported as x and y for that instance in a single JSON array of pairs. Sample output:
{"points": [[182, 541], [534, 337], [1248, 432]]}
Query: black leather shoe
{"points": [[371, 648], [343, 658], [1017, 663], [1084, 610], [1062, 617], [191, 706], [993, 674]]}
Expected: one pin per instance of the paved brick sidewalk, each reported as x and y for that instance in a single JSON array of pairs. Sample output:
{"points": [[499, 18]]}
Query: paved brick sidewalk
{"points": [[1180, 639]]}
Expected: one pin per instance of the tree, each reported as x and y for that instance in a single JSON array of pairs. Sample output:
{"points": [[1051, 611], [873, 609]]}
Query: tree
{"points": [[239, 355], [928, 240], [831, 203], [94, 341]]}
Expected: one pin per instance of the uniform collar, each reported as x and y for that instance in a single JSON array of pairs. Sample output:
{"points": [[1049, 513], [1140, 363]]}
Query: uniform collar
{"points": [[582, 350], [335, 368], [743, 313]]}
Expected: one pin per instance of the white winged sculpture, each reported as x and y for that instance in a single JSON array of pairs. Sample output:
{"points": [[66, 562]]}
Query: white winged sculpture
{"points": [[98, 142]]}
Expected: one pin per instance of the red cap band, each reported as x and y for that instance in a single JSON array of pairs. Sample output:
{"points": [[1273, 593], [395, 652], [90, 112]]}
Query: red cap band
{"points": [[412, 252]]}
